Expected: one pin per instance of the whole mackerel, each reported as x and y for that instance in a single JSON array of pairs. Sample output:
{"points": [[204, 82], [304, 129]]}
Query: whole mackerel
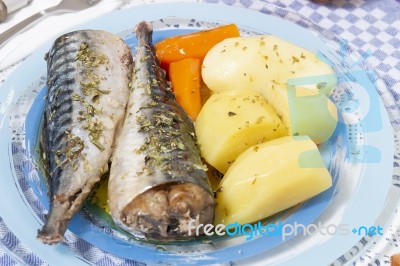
{"points": [[158, 184], [88, 76]]}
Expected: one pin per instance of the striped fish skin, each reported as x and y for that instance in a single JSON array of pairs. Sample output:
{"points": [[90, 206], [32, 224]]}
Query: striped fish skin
{"points": [[88, 76], [157, 183]]}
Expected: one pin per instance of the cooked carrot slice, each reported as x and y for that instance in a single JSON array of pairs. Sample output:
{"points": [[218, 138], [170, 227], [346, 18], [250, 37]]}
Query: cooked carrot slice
{"points": [[185, 79], [193, 45]]}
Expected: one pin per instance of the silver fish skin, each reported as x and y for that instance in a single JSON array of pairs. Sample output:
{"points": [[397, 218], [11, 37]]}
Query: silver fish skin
{"points": [[157, 184], [88, 76]]}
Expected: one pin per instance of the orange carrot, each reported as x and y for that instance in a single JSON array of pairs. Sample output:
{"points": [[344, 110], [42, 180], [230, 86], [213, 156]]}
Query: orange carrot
{"points": [[185, 79], [193, 45]]}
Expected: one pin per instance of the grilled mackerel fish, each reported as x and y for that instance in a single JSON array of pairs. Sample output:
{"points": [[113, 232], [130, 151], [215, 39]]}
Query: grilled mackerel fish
{"points": [[157, 183], [88, 76]]}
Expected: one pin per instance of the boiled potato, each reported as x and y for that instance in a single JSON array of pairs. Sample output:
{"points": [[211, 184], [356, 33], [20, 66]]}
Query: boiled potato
{"points": [[262, 61], [288, 76], [232, 121], [270, 177]]}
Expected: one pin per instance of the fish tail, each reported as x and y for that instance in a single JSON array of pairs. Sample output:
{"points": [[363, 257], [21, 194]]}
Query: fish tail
{"points": [[54, 228]]}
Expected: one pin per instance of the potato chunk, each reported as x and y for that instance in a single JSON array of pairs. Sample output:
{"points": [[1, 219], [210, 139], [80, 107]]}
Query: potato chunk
{"points": [[232, 121], [270, 177], [262, 61], [294, 81]]}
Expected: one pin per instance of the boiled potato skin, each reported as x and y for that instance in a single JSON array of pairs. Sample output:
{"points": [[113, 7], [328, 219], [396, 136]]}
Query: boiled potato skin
{"points": [[270, 177], [288, 77], [232, 121]]}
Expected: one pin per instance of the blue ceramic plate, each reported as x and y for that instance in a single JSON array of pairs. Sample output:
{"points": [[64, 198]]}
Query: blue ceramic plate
{"points": [[359, 156]]}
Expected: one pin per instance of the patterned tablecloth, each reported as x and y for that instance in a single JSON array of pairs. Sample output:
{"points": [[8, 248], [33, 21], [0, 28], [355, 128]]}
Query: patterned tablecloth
{"points": [[372, 26]]}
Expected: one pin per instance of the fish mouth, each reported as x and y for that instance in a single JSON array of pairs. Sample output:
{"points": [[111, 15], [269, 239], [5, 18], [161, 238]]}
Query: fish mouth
{"points": [[165, 211]]}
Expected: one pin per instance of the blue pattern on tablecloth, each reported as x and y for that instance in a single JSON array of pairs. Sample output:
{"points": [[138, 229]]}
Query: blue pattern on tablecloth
{"points": [[366, 25], [13, 245]]}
